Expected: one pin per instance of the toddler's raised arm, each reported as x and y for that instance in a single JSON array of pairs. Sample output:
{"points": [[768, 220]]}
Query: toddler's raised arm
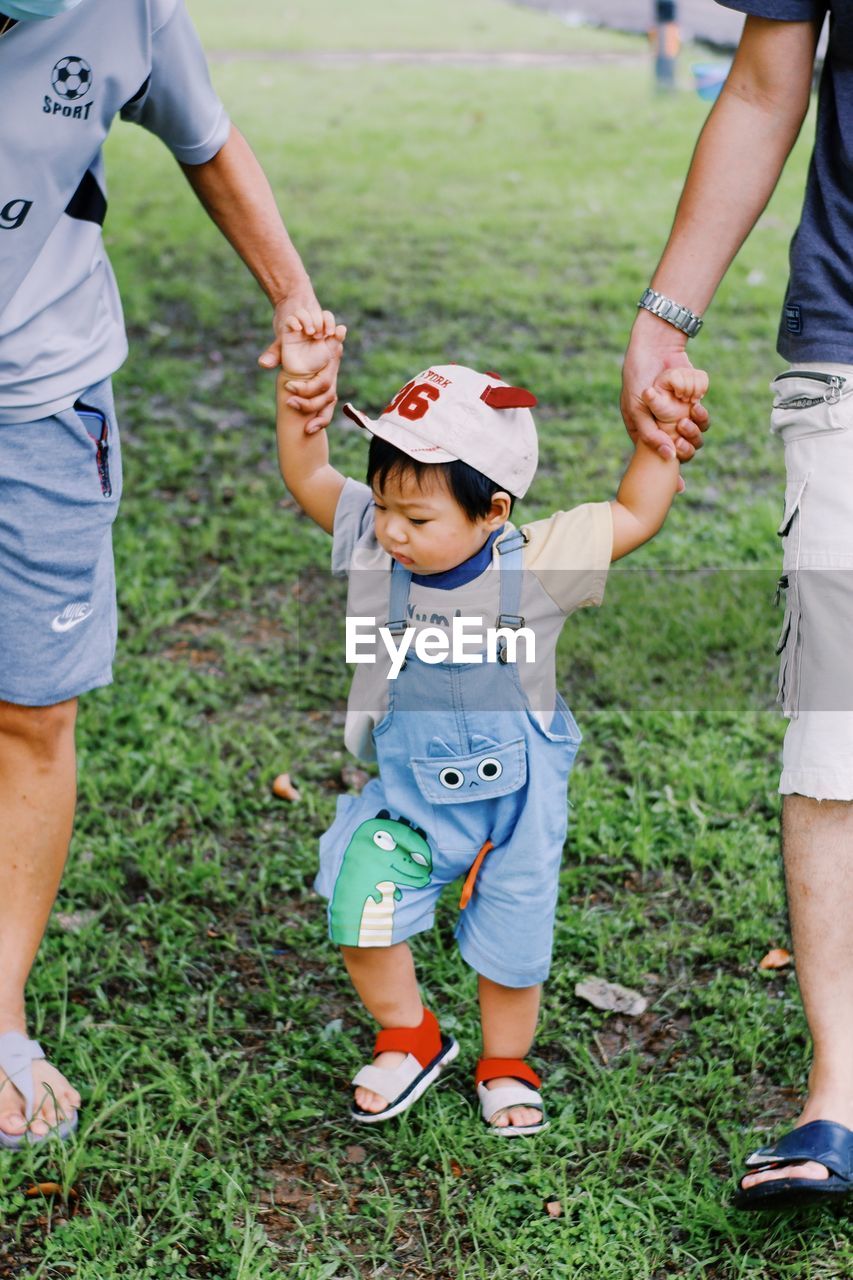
{"points": [[304, 458]]}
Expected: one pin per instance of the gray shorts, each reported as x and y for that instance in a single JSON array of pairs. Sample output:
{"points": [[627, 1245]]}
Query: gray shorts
{"points": [[814, 419], [60, 485]]}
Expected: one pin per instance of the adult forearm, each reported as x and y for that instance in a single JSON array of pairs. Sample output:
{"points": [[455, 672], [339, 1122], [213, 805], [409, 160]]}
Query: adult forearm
{"points": [[737, 162], [234, 190], [739, 157]]}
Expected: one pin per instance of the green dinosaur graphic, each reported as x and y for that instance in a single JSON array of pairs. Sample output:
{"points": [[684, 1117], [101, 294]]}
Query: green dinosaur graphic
{"points": [[382, 854]]}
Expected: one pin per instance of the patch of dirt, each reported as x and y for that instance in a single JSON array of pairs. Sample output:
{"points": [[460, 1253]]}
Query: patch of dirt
{"points": [[294, 1192]]}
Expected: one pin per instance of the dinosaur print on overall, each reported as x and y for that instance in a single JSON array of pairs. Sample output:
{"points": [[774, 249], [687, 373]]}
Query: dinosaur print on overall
{"points": [[383, 853]]}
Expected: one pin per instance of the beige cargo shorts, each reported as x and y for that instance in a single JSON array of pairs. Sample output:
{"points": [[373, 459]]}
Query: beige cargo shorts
{"points": [[813, 416]]}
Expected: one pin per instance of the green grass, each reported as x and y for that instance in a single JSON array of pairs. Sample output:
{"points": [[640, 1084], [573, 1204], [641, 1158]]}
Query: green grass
{"points": [[399, 25], [508, 218]]}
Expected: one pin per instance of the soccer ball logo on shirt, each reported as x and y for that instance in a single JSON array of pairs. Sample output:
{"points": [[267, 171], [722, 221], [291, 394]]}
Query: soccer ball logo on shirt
{"points": [[71, 78]]}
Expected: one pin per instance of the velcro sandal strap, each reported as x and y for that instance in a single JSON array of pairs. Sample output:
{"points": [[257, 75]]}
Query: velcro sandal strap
{"points": [[389, 1082], [509, 1095], [494, 1068], [422, 1042]]}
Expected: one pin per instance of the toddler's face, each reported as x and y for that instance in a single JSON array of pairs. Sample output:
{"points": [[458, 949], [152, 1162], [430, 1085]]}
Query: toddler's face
{"points": [[421, 524]]}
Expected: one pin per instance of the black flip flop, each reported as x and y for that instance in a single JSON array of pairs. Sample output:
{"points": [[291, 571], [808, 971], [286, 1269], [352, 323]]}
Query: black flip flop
{"points": [[824, 1141]]}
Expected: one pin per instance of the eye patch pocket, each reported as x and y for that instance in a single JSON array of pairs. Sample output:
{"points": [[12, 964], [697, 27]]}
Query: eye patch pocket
{"points": [[483, 775]]}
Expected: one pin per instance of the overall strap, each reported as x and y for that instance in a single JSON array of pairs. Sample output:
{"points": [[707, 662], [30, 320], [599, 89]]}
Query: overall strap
{"points": [[511, 550], [398, 599]]}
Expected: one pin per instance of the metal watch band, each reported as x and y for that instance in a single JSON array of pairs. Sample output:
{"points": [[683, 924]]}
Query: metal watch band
{"points": [[672, 312]]}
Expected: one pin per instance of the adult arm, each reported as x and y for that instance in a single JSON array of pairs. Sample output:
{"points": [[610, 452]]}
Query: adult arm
{"points": [[740, 154], [234, 190]]}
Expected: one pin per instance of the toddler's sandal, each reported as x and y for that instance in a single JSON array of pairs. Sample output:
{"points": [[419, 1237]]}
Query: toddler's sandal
{"points": [[427, 1053], [524, 1094]]}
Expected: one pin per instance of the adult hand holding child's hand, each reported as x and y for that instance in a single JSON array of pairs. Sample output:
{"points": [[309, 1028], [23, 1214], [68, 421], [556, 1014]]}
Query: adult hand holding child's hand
{"points": [[654, 350], [673, 400], [309, 364]]}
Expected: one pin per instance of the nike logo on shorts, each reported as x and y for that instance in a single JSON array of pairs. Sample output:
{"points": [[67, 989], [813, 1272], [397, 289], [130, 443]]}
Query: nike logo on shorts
{"points": [[72, 615]]}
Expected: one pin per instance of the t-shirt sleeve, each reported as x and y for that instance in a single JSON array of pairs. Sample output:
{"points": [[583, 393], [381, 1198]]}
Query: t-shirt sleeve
{"points": [[570, 554], [353, 520], [178, 103], [781, 10]]}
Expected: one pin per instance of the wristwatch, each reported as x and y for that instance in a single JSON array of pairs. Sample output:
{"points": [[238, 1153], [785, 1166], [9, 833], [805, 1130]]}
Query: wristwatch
{"points": [[672, 312]]}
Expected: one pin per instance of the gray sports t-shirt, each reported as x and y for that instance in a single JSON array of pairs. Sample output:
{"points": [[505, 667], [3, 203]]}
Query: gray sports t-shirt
{"points": [[817, 318], [62, 82]]}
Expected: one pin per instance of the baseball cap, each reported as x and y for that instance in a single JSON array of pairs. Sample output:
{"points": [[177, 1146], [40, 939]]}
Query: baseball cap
{"points": [[450, 412]]}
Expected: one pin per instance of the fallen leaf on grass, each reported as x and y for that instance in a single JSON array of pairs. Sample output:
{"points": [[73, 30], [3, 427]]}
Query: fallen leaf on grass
{"points": [[456, 1169], [611, 997], [52, 1189], [356, 1155], [554, 1208], [284, 788], [777, 958]]}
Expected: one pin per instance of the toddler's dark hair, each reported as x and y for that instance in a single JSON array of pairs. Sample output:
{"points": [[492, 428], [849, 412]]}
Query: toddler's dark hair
{"points": [[471, 489]]}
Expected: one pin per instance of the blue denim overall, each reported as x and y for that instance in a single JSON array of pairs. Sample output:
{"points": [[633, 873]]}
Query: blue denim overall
{"points": [[465, 770]]}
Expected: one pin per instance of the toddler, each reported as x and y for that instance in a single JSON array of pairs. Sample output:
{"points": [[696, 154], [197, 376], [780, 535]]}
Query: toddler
{"points": [[453, 616]]}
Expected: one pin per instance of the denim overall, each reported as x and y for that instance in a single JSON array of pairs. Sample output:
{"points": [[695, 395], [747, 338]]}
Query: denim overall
{"points": [[470, 784]]}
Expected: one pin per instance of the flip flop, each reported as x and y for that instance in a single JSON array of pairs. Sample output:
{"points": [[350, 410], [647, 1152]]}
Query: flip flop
{"points": [[17, 1055], [524, 1094], [427, 1053], [824, 1141]]}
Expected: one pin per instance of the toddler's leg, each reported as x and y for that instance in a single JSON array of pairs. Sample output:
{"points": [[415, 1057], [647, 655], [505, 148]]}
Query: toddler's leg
{"points": [[384, 978], [508, 1017]]}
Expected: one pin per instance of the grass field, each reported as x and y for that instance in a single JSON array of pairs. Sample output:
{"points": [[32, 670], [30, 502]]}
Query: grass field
{"points": [[441, 25], [507, 218]]}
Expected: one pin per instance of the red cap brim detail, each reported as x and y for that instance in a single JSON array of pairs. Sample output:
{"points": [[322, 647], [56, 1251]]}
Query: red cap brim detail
{"points": [[509, 398], [358, 418]]}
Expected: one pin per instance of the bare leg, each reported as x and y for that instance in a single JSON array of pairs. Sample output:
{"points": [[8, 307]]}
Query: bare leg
{"points": [[384, 978], [37, 798], [508, 1017], [818, 845]]}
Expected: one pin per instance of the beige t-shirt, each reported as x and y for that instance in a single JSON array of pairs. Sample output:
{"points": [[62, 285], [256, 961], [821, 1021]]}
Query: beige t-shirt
{"points": [[565, 562]]}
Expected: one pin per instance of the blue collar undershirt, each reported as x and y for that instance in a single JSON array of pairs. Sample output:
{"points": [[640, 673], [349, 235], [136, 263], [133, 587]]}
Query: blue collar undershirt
{"points": [[461, 574]]}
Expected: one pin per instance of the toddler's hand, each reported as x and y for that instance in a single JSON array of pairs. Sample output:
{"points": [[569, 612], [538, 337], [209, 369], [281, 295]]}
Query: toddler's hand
{"points": [[673, 394], [304, 356]]}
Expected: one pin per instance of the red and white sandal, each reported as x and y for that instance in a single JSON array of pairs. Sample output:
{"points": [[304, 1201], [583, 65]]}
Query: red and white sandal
{"points": [[427, 1052], [524, 1094]]}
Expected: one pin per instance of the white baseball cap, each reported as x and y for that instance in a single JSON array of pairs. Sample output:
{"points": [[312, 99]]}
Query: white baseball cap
{"points": [[450, 412]]}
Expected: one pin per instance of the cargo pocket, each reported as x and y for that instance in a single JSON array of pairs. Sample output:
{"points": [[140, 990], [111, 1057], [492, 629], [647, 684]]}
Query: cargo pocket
{"points": [[808, 403], [790, 525], [789, 644]]}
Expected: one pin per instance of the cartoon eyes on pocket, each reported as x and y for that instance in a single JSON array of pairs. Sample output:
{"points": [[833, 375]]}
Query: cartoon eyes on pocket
{"points": [[418, 858], [451, 778], [384, 840], [489, 769]]}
